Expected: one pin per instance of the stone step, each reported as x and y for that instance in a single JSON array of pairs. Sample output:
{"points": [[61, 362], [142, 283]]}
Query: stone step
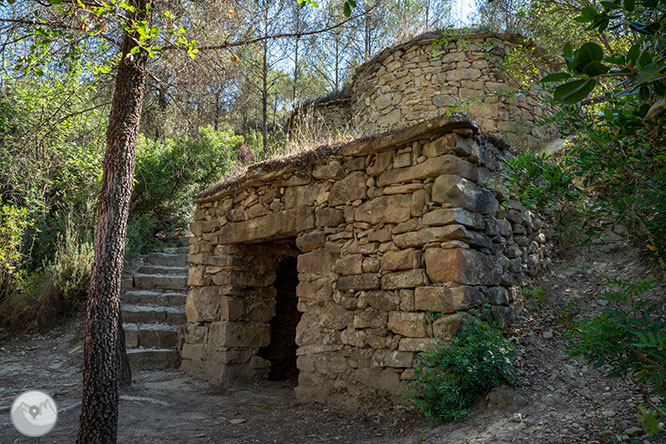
{"points": [[176, 250], [151, 297], [166, 282], [145, 314], [165, 259], [162, 269], [151, 335], [153, 358]]}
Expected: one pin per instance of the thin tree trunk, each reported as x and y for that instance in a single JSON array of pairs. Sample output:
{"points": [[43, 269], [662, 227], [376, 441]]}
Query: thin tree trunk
{"points": [[264, 98], [337, 61], [298, 29], [99, 409]]}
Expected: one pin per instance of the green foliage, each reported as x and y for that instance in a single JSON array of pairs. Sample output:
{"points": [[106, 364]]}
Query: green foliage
{"points": [[451, 378], [69, 271], [168, 175], [619, 151], [537, 181], [13, 222], [141, 238], [629, 337]]}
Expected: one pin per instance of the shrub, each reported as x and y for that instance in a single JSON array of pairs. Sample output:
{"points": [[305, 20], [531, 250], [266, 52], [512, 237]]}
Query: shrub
{"points": [[629, 336], [13, 222], [169, 174], [56, 290], [451, 378]]}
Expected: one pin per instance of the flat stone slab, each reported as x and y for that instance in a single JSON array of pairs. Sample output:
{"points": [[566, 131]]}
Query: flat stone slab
{"points": [[145, 358], [155, 297], [145, 314], [166, 259], [170, 282], [283, 224]]}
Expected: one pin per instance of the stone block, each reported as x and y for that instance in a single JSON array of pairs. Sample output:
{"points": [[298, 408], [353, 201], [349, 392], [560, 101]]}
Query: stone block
{"points": [[316, 290], [418, 203], [393, 358], [288, 223], [404, 279], [319, 262], [417, 344], [382, 300], [380, 163], [370, 319], [331, 170], [348, 189], [460, 192], [365, 281], [441, 234], [413, 325], [446, 327], [401, 260], [328, 217], [335, 317], [380, 379], [349, 265], [308, 242], [355, 338], [239, 334], [448, 216], [203, 304], [498, 295], [432, 167], [461, 266], [446, 299], [386, 209]]}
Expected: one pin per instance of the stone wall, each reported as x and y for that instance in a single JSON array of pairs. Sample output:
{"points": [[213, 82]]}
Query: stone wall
{"points": [[385, 230], [407, 84], [327, 119]]}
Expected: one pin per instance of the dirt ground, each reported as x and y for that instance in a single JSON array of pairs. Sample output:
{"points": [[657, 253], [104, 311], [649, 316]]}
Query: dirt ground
{"points": [[560, 401]]}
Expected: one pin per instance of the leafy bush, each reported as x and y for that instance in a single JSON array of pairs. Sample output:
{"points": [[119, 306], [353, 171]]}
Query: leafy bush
{"points": [[451, 378], [13, 222], [537, 181], [629, 336], [169, 174], [620, 149]]}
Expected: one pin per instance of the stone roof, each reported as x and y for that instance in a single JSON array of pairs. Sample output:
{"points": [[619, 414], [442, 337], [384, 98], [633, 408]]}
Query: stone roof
{"points": [[268, 170]]}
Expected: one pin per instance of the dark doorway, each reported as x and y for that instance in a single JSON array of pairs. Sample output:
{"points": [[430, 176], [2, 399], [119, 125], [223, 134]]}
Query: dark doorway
{"points": [[281, 351]]}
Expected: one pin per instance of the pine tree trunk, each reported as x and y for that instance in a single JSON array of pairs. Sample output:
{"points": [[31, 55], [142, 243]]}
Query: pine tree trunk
{"points": [[99, 410]]}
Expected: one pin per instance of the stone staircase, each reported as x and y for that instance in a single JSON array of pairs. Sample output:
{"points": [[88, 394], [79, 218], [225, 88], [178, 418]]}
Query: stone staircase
{"points": [[153, 308]]}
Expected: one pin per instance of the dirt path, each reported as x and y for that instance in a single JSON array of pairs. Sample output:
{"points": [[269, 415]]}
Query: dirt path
{"points": [[561, 400]]}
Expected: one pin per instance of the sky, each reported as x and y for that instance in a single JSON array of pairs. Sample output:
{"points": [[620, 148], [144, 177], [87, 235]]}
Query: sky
{"points": [[462, 10]]}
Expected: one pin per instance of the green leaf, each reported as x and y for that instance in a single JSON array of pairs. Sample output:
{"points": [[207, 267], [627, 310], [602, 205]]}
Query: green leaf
{"points": [[629, 5], [589, 52], [645, 58], [347, 9], [647, 73], [595, 69], [589, 12], [633, 53], [556, 77], [567, 50], [574, 92], [615, 59]]}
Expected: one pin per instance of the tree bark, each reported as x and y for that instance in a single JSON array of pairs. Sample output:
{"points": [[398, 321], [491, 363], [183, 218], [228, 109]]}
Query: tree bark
{"points": [[99, 409]]}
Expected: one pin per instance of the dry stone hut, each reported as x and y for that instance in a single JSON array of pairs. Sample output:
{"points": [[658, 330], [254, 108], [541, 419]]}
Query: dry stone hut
{"points": [[409, 83], [327, 265]]}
